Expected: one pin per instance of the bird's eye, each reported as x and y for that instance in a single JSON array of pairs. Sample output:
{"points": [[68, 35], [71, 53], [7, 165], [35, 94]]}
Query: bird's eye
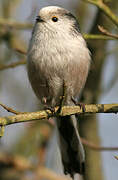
{"points": [[54, 19]]}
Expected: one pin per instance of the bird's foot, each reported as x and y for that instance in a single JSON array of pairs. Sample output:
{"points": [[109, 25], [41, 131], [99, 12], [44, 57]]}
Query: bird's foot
{"points": [[46, 106], [81, 105], [52, 109]]}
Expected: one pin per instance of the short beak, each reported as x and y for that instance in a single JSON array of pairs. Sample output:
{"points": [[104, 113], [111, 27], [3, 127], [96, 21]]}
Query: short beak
{"points": [[39, 19]]}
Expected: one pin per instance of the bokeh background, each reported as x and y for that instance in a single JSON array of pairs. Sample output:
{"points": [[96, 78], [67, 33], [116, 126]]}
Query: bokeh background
{"points": [[37, 141]]}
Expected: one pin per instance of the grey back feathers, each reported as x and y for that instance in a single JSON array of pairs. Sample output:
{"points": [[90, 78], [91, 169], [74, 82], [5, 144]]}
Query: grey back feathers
{"points": [[58, 53]]}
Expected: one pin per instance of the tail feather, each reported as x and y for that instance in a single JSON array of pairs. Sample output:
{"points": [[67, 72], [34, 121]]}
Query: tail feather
{"points": [[72, 151]]}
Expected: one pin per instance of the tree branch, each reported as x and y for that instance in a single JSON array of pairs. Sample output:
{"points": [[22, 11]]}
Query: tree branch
{"points": [[98, 37], [107, 33], [12, 65], [9, 109], [66, 110], [14, 24], [100, 4], [96, 147]]}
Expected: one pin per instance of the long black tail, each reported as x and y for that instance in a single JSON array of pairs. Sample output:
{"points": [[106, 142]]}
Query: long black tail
{"points": [[72, 151]]}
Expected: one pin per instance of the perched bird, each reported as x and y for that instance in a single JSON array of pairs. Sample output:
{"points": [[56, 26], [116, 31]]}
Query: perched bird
{"points": [[58, 54]]}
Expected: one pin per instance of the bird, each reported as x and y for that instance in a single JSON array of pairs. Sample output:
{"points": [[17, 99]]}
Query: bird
{"points": [[58, 55]]}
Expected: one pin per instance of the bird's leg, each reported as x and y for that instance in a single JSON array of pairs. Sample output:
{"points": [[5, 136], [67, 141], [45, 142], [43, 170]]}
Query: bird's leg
{"points": [[62, 98], [46, 106], [81, 105]]}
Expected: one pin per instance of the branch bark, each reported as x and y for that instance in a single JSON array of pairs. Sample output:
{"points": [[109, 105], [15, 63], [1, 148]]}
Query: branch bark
{"points": [[66, 110]]}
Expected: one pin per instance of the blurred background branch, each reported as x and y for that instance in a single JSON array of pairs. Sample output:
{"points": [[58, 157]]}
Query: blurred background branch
{"points": [[106, 10]]}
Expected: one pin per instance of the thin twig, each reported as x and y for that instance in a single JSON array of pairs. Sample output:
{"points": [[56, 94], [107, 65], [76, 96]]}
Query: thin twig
{"points": [[96, 147], [14, 24], [12, 65], [116, 157], [9, 109], [21, 51], [97, 37], [107, 33], [106, 10]]}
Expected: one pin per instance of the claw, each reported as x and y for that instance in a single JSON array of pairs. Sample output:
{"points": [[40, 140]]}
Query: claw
{"points": [[81, 105], [52, 109]]}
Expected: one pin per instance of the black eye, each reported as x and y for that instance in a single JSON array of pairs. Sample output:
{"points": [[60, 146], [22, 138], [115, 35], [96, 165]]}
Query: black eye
{"points": [[55, 19]]}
